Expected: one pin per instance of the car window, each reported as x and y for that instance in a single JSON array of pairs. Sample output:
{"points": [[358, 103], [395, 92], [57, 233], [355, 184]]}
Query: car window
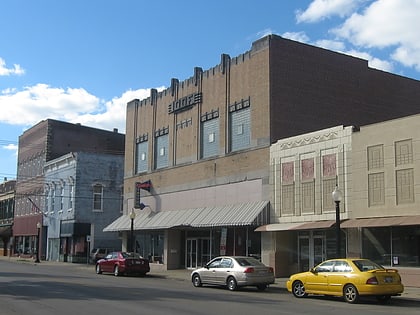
{"points": [[248, 261], [366, 265], [109, 256], [342, 266], [215, 263], [114, 255], [226, 263], [325, 267]]}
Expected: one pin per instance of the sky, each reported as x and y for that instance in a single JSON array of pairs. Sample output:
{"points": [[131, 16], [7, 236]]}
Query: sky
{"points": [[81, 61]]}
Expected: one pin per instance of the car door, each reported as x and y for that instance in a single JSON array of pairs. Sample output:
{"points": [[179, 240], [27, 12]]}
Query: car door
{"points": [[338, 277], [107, 265], [224, 271], [317, 280], [208, 274]]}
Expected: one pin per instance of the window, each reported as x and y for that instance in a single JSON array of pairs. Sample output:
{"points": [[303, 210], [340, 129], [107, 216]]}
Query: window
{"points": [[162, 145], [97, 197], [71, 195], [376, 189], [142, 150], [240, 129], [375, 157], [405, 186], [403, 152], [210, 138]]}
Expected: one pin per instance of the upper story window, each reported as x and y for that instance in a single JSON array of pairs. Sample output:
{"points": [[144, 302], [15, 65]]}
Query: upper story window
{"points": [[161, 151], [210, 134], [240, 125], [142, 153], [98, 197]]}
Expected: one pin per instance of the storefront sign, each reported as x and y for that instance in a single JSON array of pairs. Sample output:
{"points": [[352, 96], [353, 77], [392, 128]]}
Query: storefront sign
{"points": [[184, 103]]}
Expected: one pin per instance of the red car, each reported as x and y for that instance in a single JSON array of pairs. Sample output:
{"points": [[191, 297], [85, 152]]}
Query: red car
{"points": [[120, 263]]}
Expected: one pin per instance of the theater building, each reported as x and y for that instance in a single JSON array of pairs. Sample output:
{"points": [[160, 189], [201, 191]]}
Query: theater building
{"points": [[204, 144]]}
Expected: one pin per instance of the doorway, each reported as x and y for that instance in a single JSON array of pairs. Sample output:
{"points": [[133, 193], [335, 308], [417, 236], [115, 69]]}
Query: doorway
{"points": [[197, 252], [311, 249]]}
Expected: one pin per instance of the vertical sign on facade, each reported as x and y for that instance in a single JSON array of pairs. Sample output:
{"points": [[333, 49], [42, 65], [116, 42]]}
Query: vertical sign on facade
{"points": [[223, 237]]}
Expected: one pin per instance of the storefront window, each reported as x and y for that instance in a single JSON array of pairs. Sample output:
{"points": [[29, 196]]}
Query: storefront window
{"points": [[150, 246], [392, 246]]}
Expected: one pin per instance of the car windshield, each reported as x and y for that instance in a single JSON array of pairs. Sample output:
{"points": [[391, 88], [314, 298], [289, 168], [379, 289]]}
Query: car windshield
{"points": [[130, 255], [366, 265], [248, 261]]}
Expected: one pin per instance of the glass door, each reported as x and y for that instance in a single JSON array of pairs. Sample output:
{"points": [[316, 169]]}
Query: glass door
{"points": [[191, 253]]}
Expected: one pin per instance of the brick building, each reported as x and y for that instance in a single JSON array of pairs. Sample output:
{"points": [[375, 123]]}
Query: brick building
{"points": [[48, 140], [7, 206], [204, 143]]}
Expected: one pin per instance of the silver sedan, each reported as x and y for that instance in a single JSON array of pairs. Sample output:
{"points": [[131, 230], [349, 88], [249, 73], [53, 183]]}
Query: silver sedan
{"points": [[234, 272]]}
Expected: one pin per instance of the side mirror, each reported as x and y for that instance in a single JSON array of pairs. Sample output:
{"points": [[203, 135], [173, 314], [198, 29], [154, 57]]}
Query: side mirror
{"points": [[313, 270]]}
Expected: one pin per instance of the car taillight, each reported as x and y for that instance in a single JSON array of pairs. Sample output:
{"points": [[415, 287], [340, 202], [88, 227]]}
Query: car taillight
{"points": [[372, 280], [249, 270]]}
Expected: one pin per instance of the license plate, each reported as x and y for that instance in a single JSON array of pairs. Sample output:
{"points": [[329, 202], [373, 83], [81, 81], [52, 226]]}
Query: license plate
{"points": [[388, 279]]}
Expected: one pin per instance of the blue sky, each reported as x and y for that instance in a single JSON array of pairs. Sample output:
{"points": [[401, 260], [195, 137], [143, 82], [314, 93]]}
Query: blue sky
{"points": [[82, 60]]}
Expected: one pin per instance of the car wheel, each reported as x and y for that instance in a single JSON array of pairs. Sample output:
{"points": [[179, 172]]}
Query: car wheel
{"points": [[231, 284], [298, 289], [196, 280], [383, 298], [350, 294], [261, 287], [98, 269], [116, 271]]}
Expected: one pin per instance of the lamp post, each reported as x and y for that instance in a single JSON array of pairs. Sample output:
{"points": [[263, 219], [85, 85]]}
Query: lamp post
{"points": [[38, 227], [337, 195], [132, 217]]}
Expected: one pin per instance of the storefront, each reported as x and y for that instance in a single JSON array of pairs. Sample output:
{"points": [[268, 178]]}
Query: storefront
{"points": [[190, 238]]}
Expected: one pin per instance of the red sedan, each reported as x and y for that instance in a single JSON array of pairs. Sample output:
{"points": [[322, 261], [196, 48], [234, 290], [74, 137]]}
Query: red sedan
{"points": [[120, 263]]}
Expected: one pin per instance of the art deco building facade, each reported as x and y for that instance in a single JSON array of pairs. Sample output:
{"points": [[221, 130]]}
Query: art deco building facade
{"points": [[204, 143]]}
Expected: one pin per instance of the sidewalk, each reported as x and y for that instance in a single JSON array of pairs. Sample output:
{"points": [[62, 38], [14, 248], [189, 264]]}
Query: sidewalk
{"points": [[410, 293]]}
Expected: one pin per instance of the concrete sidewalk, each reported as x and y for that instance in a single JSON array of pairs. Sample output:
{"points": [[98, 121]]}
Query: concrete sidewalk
{"points": [[410, 293]]}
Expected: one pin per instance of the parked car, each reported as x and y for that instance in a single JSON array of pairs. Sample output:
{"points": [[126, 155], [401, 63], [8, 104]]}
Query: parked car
{"points": [[349, 278], [234, 272], [99, 253], [120, 263]]}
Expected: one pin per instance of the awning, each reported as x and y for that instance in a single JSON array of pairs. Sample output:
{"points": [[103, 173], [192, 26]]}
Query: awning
{"points": [[277, 227], [382, 221], [315, 225], [326, 224], [243, 214]]}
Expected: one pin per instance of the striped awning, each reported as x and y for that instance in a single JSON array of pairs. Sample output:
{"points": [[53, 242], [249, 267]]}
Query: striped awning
{"points": [[242, 214]]}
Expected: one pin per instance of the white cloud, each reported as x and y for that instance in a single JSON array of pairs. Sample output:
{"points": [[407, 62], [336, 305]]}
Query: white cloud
{"points": [[297, 36], [331, 44], [387, 24], [321, 9], [35, 103], [4, 71]]}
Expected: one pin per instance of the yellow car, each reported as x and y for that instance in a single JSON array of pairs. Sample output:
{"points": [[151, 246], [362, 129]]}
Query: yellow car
{"points": [[349, 278]]}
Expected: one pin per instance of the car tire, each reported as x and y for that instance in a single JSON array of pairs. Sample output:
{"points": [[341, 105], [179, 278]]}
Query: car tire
{"points": [[350, 294], [196, 280], [98, 269], [117, 271], [231, 284], [261, 287], [298, 289]]}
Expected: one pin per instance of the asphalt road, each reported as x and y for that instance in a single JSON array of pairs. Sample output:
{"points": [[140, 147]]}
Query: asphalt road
{"points": [[64, 289]]}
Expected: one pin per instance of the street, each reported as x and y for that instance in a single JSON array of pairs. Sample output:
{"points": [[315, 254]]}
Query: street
{"points": [[29, 288]]}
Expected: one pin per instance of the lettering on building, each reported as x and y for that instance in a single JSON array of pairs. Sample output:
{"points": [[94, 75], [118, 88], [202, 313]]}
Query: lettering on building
{"points": [[184, 103]]}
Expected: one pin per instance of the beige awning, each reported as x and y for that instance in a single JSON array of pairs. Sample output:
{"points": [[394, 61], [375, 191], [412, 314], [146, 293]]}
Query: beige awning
{"points": [[296, 226], [243, 214], [382, 221], [277, 227]]}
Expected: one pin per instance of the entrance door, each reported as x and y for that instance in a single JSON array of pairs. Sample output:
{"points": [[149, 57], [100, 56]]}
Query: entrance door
{"points": [[311, 250], [191, 259], [198, 252]]}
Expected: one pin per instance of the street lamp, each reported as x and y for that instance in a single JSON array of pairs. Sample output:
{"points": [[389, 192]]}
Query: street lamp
{"points": [[38, 227], [337, 195], [132, 217]]}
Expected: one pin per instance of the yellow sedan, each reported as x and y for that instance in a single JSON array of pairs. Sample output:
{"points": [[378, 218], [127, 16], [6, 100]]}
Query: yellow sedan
{"points": [[349, 278]]}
